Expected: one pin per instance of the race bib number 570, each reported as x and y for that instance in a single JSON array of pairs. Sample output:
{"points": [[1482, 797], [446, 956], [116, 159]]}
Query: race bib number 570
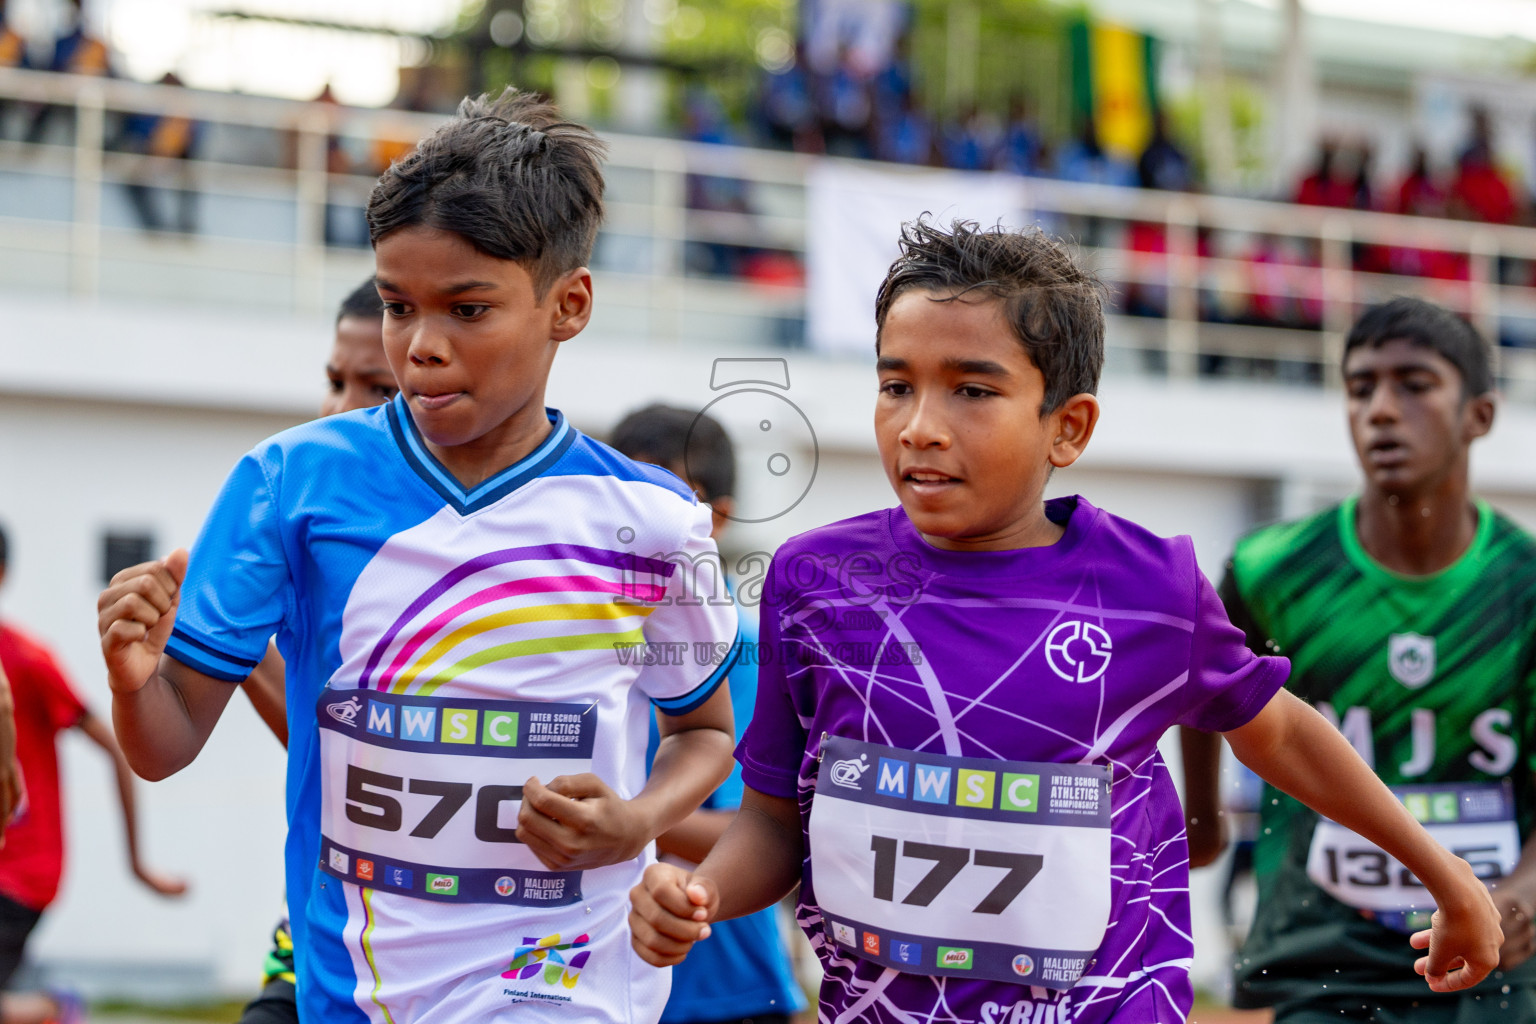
{"points": [[421, 794], [959, 866]]}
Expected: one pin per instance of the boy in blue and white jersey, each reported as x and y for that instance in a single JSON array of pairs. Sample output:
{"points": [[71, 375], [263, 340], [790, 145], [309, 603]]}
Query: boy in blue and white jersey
{"points": [[452, 578]]}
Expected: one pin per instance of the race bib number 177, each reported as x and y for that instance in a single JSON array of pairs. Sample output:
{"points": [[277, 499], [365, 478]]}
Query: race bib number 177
{"points": [[968, 867]]}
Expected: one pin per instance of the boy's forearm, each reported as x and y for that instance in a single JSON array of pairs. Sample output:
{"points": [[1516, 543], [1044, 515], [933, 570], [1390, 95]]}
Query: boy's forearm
{"points": [[1333, 780], [694, 836], [266, 687], [1201, 752], [161, 727], [689, 765], [125, 798], [757, 862]]}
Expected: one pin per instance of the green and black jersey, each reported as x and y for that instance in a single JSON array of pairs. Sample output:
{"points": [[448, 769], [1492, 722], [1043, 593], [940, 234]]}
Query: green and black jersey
{"points": [[1430, 678]]}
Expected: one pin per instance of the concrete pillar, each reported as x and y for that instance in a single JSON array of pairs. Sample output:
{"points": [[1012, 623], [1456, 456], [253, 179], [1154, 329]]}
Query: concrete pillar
{"points": [[1294, 137], [642, 92], [1215, 108]]}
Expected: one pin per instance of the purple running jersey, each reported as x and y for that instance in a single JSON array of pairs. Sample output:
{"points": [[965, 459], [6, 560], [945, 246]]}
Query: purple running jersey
{"points": [[972, 740]]}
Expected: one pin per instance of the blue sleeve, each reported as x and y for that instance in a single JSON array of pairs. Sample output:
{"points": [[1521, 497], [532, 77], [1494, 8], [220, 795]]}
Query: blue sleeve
{"points": [[238, 588]]}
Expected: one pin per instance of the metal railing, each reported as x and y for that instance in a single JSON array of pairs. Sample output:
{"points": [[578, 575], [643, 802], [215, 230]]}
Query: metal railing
{"points": [[702, 242]]}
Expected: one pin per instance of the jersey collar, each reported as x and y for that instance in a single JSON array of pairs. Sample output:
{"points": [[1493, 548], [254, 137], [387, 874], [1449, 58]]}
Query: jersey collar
{"points": [[1465, 566], [561, 436]]}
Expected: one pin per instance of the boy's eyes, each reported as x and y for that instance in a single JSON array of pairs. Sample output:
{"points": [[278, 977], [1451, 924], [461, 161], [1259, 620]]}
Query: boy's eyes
{"points": [[462, 310], [899, 388]]}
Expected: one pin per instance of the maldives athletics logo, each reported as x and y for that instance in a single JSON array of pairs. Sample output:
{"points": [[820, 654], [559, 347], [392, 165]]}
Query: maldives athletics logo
{"points": [[550, 959]]}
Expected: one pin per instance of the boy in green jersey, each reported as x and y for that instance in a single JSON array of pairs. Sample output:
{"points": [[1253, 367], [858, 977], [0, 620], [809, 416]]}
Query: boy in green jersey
{"points": [[1407, 613]]}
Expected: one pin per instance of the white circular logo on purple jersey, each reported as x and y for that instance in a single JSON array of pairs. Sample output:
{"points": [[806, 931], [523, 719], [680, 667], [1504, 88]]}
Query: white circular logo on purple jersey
{"points": [[1078, 651]]}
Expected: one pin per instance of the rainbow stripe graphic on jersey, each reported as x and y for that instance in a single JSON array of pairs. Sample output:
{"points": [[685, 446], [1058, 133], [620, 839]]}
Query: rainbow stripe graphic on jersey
{"points": [[603, 588]]}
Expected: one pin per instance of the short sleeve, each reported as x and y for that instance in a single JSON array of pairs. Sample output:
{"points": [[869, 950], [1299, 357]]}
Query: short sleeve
{"points": [[61, 703], [1256, 637], [1228, 684], [239, 588], [1526, 705], [693, 627], [774, 746]]}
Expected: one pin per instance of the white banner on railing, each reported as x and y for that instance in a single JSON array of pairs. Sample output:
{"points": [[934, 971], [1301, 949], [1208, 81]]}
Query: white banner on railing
{"points": [[854, 217]]}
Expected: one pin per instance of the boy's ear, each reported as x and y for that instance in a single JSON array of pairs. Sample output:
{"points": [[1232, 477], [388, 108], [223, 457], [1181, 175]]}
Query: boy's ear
{"points": [[1071, 428], [723, 508], [1479, 412], [571, 297]]}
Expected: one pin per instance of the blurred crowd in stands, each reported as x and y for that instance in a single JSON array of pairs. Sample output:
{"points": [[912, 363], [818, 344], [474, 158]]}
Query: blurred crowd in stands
{"points": [[852, 110], [846, 105], [168, 142]]}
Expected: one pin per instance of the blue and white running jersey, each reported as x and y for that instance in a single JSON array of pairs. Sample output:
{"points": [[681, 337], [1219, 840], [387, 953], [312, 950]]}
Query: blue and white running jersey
{"points": [[444, 646]]}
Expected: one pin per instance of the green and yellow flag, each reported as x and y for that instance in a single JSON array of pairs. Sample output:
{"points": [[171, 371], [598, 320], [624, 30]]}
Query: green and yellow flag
{"points": [[1114, 76]]}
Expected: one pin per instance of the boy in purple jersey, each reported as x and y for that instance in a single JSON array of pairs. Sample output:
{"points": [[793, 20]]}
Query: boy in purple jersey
{"points": [[955, 744]]}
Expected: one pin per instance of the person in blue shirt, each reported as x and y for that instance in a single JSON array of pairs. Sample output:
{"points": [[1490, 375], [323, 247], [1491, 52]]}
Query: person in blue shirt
{"points": [[741, 973]]}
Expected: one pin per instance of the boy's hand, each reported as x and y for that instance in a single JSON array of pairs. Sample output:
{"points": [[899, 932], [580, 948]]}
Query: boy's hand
{"points": [[670, 910], [1517, 918], [577, 822], [163, 885], [1463, 939], [135, 616]]}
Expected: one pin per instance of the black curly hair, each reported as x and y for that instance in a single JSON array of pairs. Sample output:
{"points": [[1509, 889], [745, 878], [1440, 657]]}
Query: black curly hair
{"points": [[362, 302], [1055, 307], [509, 176]]}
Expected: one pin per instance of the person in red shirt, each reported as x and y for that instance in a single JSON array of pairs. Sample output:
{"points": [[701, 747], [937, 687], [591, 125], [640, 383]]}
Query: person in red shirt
{"points": [[10, 771], [1480, 191], [32, 858]]}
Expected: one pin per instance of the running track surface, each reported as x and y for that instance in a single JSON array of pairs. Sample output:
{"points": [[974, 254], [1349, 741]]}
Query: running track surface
{"points": [[1222, 1015]]}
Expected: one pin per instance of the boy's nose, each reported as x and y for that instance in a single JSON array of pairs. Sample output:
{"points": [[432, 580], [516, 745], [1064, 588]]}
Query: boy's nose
{"points": [[924, 429], [1382, 407], [428, 347]]}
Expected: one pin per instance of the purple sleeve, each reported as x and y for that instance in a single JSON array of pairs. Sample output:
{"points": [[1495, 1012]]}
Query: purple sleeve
{"points": [[775, 742], [1228, 683]]}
